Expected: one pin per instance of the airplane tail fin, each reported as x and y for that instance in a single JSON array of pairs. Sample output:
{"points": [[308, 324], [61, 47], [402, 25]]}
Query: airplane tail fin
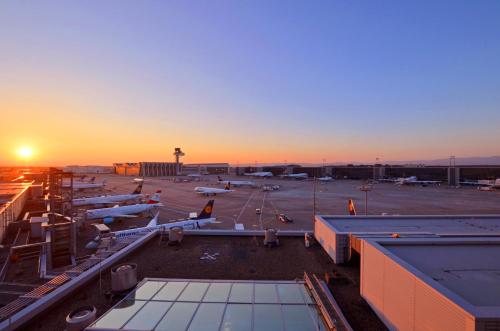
{"points": [[92, 180], [228, 186], [207, 210], [154, 220], [219, 178], [351, 208], [138, 189], [155, 198]]}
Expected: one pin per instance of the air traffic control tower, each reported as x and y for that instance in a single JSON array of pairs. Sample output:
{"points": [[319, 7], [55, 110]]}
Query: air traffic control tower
{"points": [[178, 153]]}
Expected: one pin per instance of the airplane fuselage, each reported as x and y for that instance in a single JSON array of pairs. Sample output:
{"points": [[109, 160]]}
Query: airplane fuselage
{"points": [[237, 182], [107, 199], [210, 190], [121, 210], [186, 224], [83, 186], [259, 174], [296, 176]]}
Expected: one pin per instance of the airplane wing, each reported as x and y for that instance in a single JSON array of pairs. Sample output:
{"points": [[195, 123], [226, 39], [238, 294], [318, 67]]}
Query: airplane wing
{"points": [[426, 182], [124, 216]]}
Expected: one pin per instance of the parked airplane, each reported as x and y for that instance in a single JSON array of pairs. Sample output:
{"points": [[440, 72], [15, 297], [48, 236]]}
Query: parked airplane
{"points": [[325, 179], [129, 211], [484, 184], [212, 190], [259, 174], [301, 175], [108, 199], [77, 186], [495, 184], [83, 177], [204, 218], [412, 180], [235, 183]]}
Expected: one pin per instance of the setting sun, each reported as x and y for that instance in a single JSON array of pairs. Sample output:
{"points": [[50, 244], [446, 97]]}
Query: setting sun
{"points": [[25, 152]]}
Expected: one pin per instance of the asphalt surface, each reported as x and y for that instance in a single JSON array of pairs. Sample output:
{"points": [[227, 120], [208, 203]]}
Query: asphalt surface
{"points": [[295, 199]]}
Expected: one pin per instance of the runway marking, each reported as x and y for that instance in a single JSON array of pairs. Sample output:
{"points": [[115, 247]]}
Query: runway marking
{"points": [[244, 207], [274, 207], [262, 211]]}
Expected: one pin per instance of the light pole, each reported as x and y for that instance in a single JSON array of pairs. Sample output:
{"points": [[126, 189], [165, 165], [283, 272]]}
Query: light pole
{"points": [[366, 188], [314, 199]]}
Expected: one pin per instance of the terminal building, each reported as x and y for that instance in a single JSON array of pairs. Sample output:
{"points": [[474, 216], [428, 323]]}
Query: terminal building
{"points": [[451, 175], [89, 169], [147, 169], [157, 169], [206, 168]]}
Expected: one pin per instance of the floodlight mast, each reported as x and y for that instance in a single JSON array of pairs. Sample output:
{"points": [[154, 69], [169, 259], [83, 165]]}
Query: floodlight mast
{"points": [[366, 188]]}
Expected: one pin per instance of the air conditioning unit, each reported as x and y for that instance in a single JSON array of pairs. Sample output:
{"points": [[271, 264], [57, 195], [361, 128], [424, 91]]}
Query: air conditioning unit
{"points": [[271, 237], [123, 277], [175, 235], [80, 318]]}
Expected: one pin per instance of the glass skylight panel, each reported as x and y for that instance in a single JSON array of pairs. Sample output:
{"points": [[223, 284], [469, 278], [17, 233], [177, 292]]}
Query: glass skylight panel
{"points": [[148, 316], [317, 319], [148, 289], [213, 306], [119, 315], [267, 317], [238, 317], [193, 292], [208, 317], [178, 317], [306, 294], [241, 292], [290, 293], [297, 318], [266, 293], [217, 292], [171, 291]]}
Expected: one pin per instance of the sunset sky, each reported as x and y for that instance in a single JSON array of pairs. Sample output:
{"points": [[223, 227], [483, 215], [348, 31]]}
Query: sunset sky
{"points": [[97, 82]]}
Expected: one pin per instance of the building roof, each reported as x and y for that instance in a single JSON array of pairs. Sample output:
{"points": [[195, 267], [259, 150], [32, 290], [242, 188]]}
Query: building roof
{"points": [[465, 270], [438, 225], [10, 191]]}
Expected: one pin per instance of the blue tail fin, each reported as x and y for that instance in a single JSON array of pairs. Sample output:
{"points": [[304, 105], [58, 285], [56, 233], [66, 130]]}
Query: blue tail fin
{"points": [[207, 210]]}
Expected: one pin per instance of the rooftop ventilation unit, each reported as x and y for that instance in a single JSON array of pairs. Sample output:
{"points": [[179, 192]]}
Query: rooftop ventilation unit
{"points": [[175, 235], [123, 277], [80, 318], [271, 238]]}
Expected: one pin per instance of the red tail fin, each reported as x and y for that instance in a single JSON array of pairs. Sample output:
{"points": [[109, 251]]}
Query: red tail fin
{"points": [[155, 198]]}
